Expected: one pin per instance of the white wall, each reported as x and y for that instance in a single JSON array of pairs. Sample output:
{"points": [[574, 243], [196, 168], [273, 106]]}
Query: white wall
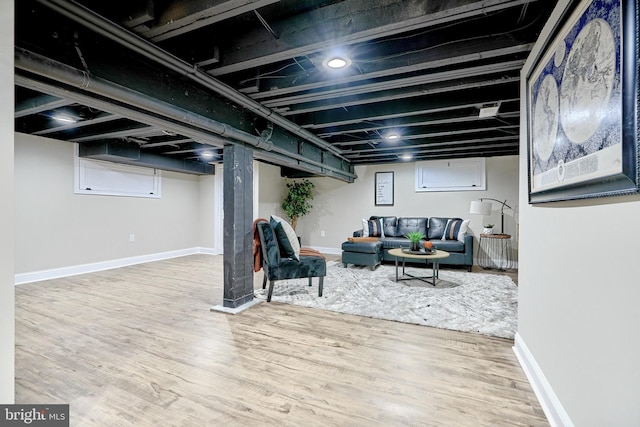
{"points": [[271, 191], [338, 207], [578, 303], [7, 299], [207, 214], [56, 228]]}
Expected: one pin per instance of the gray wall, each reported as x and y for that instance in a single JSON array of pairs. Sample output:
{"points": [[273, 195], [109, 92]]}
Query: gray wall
{"points": [[6, 206], [578, 301], [207, 211], [56, 228], [338, 207]]}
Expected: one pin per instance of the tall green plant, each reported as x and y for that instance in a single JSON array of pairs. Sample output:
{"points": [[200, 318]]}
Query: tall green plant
{"points": [[296, 203]]}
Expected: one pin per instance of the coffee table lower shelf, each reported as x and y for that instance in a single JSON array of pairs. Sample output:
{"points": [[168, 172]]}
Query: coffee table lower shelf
{"points": [[434, 258]]}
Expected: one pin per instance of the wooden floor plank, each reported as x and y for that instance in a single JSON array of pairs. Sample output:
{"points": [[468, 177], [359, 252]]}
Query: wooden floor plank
{"points": [[139, 346]]}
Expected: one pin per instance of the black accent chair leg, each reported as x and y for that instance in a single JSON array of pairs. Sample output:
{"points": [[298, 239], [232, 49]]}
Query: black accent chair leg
{"points": [[264, 281], [271, 282], [320, 286]]}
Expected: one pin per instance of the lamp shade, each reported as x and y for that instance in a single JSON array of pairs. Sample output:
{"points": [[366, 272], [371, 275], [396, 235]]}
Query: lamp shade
{"points": [[480, 208]]}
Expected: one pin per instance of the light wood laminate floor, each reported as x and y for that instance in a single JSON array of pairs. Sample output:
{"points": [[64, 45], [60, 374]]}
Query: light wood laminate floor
{"points": [[139, 346]]}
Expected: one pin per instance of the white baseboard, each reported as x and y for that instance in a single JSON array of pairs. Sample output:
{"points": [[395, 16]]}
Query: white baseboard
{"points": [[209, 251], [37, 276], [553, 409]]}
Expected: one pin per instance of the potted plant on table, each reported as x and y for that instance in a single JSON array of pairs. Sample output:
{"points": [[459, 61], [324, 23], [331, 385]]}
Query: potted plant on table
{"points": [[488, 229], [415, 237]]}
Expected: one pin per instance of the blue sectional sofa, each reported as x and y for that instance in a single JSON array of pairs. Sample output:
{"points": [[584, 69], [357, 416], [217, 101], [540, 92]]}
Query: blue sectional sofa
{"points": [[393, 231]]}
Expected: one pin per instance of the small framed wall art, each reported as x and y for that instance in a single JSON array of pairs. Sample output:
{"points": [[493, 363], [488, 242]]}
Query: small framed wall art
{"points": [[384, 189]]}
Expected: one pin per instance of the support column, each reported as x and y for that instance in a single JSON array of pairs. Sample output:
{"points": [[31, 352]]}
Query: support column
{"points": [[238, 226]]}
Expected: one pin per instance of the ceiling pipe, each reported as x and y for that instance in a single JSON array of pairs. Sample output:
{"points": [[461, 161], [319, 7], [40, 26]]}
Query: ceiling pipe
{"points": [[112, 31], [119, 100]]}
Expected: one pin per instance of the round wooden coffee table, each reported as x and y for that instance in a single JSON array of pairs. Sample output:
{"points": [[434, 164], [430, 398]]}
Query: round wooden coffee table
{"points": [[433, 257]]}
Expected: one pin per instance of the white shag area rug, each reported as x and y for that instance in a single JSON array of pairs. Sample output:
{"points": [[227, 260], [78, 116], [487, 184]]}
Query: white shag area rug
{"points": [[470, 302]]}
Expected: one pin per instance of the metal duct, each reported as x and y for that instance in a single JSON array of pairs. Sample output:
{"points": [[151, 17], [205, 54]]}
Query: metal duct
{"points": [[113, 152]]}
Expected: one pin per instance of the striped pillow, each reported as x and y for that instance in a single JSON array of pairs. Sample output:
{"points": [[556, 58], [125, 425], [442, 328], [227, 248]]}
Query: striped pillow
{"points": [[455, 229], [372, 228]]}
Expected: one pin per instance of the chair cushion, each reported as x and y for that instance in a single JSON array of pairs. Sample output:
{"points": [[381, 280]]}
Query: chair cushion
{"points": [[436, 227], [407, 225], [308, 266], [362, 247], [271, 243], [389, 224], [286, 236], [449, 245], [395, 242]]}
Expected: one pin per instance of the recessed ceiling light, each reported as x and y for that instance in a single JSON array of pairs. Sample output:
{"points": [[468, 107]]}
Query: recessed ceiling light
{"points": [[64, 119], [336, 62]]}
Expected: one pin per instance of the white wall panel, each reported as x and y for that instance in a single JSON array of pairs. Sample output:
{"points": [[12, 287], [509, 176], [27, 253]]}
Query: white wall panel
{"points": [[6, 204], [578, 299]]}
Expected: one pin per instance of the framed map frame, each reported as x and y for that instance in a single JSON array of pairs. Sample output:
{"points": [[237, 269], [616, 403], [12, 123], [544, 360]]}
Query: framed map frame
{"points": [[582, 98]]}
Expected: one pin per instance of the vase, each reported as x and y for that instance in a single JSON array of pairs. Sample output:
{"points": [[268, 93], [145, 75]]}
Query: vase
{"points": [[414, 246], [488, 230]]}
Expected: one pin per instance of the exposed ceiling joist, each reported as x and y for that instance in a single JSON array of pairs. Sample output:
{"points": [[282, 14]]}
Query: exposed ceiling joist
{"points": [[423, 69], [345, 23], [184, 16], [415, 62], [39, 105]]}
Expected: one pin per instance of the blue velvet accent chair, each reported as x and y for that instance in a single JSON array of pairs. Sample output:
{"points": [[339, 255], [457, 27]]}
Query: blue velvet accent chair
{"points": [[276, 267]]}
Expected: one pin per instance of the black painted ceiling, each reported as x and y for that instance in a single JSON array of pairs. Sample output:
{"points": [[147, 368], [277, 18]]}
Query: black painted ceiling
{"points": [[164, 82]]}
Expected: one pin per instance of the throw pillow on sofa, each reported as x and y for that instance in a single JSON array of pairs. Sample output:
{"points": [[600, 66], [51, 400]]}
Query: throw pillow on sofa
{"points": [[372, 228], [456, 229], [287, 239]]}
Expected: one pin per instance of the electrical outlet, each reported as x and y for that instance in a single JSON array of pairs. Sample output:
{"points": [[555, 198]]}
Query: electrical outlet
{"points": [[322, 233], [132, 238]]}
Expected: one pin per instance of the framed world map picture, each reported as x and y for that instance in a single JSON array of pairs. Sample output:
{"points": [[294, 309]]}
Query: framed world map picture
{"points": [[581, 105]]}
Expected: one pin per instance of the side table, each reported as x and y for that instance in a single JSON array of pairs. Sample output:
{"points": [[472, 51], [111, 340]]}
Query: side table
{"points": [[494, 251]]}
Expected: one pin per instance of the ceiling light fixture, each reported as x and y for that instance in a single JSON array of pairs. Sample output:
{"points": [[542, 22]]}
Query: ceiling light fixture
{"points": [[392, 136], [207, 155], [64, 119], [406, 157], [336, 62]]}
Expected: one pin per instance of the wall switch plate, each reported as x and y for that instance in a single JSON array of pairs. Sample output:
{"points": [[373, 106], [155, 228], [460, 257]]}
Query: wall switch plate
{"points": [[322, 233], [132, 238]]}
